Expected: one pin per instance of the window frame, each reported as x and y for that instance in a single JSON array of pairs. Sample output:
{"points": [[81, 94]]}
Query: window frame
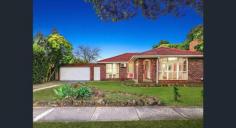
{"points": [[167, 72], [112, 71]]}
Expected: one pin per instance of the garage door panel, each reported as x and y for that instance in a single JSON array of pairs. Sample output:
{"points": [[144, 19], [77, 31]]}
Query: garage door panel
{"points": [[74, 73]]}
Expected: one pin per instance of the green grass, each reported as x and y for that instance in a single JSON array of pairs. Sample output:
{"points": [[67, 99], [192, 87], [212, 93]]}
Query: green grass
{"points": [[190, 96], [123, 124], [45, 95]]}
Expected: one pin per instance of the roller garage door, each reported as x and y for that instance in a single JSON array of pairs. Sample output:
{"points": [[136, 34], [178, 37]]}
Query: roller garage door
{"points": [[74, 73]]}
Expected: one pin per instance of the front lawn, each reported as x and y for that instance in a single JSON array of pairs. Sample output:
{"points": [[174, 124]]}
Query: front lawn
{"points": [[45, 95], [123, 124], [190, 96]]}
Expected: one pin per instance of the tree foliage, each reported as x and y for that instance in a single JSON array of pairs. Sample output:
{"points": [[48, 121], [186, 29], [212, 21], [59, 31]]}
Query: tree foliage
{"points": [[48, 54], [195, 34], [87, 54], [161, 43], [116, 10]]}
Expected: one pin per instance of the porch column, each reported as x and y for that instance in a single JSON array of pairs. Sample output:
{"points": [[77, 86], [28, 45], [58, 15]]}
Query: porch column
{"points": [[153, 69], [91, 72], [140, 70], [135, 70]]}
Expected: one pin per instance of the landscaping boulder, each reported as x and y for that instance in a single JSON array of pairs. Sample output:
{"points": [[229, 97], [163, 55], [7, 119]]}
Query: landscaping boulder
{"points": [[98, 93], [151, 101], [140, 102], [100, 101]]}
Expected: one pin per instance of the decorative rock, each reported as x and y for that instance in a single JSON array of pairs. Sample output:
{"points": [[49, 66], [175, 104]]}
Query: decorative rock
{"points": [[99, 93], [100, 101], [140, 102], [151, 101]]}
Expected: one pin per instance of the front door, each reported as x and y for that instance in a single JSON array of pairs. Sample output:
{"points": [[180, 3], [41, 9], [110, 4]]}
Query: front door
{"points": [[146, 69]]}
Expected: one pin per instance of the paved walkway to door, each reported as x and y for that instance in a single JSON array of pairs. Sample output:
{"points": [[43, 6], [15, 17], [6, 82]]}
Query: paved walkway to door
{"points": [[115, 113], [50, 84]]}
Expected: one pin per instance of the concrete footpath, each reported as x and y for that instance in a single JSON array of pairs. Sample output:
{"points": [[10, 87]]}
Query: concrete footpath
{"points": [[115, 113]]}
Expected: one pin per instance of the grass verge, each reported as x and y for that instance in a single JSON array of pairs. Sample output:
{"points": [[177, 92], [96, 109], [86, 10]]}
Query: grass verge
{"points": [[123, 124]]}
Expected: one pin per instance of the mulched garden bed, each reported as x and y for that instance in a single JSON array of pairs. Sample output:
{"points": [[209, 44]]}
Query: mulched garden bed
{"points": [[100, 98], [134, 84]]}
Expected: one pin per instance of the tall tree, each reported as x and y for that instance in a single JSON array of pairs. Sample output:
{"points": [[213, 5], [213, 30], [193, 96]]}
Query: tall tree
{"points": [[48, 54], [116, 10], [87, 54]]}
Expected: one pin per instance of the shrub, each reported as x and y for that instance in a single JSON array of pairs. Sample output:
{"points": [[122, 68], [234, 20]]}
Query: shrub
{"points": [[67, 91], [83, 92], [176, 94]]}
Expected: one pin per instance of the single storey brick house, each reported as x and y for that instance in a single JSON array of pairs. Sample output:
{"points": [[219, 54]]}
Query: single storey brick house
{"points": [[160, 65]]}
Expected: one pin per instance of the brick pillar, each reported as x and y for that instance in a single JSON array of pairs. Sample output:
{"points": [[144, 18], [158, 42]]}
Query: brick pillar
{"points": [[91, 72], [123, 73], [153, 69], [140, 70], [102, 71]]}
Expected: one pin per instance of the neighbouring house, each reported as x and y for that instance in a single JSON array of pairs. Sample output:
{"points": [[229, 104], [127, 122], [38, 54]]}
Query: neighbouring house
{"points": [[160, 65]]}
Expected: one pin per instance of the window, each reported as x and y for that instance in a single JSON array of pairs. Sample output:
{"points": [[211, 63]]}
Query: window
{"points": [[112, 70], [130, 70], [130, 67], [173, 68]]}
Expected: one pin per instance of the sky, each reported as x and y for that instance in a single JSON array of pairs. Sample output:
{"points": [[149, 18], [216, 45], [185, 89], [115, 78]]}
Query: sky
{"points": [[77, 21]]}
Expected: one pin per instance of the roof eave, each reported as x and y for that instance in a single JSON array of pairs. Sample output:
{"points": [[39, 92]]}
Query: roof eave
{"points": [[156, 56], [113, 62]]}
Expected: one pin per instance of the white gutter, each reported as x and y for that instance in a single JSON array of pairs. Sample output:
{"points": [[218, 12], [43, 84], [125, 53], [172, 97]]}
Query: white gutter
{"points": [[156, 56], [113, 62]]}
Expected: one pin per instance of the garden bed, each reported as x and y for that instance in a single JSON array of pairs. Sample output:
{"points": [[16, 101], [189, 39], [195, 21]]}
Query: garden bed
{"points": [[102, 98], [118, 94], [134, 84]]}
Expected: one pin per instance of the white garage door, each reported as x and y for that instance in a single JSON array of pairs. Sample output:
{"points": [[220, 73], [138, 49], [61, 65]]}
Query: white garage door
{"points": [[74, 73], [96, 73]]}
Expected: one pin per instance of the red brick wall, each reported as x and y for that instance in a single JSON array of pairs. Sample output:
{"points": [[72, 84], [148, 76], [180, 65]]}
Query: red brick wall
{"points": [[195, 67], [135, 69], [153, 70], [92, 72], [123, 73]]}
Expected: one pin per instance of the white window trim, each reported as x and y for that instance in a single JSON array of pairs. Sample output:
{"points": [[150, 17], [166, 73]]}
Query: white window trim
{"points": [[167, 75], [118, 73]]}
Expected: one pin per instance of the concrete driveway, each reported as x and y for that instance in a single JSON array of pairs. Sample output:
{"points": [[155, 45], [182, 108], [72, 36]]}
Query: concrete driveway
{"points": [[115, 113]]}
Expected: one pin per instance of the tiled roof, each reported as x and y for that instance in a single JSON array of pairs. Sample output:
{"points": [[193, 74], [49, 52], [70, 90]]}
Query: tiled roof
{"points": [[169, 51], [120, 58], [157, 51]]}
